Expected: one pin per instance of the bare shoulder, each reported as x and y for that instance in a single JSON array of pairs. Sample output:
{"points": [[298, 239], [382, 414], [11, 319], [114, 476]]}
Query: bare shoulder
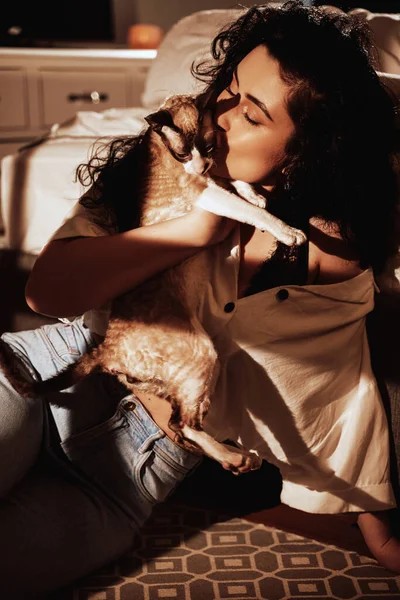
{"points": [[331, 260]]}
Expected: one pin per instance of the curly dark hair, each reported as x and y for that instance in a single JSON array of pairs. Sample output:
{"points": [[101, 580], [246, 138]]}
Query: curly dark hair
{"points": [[339, 161], [111, 171]]}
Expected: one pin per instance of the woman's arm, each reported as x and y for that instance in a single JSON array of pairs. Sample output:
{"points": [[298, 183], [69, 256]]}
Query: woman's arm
{"points": [[73, 275]]}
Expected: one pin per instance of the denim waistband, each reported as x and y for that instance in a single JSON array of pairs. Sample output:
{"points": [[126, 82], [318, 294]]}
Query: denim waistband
{"points": [[151, 435]]}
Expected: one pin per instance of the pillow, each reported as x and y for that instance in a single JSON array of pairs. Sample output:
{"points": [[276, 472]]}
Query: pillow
{"points": [[386, 36], [187, 41]]}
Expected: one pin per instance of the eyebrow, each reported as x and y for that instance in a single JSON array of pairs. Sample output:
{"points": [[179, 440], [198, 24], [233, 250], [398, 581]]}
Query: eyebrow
{"points": [[255, 100]]}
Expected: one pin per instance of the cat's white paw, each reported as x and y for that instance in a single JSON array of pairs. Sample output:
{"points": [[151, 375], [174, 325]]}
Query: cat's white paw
{"points": [[239, 460], [257, 200], [292, 237], [246, 191]]}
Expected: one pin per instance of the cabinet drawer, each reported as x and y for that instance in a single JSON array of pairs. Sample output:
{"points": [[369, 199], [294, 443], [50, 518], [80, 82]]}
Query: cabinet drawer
{"points": [[65, 92], [13, 99]]}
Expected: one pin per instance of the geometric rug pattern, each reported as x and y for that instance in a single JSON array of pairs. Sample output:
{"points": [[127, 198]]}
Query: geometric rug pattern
{"points": [[195, 554]]}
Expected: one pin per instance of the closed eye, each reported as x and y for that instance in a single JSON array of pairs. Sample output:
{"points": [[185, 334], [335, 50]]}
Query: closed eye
{"points": [[248, 118], [245, 110], [250, 97], [183, 156]]}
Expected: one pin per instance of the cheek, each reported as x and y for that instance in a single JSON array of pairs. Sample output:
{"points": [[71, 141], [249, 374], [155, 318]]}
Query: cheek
{"points": [[253, 162]]}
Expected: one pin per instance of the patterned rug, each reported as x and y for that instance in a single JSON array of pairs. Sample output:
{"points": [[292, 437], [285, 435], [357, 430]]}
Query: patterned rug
{"points": [[188, 553]]}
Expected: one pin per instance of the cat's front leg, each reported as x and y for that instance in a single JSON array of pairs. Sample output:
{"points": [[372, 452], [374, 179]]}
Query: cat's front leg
{"points": [[246, 191], [237, 460], [221, 202], [283, 232]]}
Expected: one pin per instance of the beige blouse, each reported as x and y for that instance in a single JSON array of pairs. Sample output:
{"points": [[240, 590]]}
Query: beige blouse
{"points": [[295, 384]]}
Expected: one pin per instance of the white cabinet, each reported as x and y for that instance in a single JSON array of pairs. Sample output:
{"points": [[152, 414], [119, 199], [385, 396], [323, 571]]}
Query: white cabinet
{"points": [[40, 87]]}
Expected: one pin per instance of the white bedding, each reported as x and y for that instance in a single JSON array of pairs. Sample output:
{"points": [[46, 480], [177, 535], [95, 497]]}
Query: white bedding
{"points": [[37, 184]]}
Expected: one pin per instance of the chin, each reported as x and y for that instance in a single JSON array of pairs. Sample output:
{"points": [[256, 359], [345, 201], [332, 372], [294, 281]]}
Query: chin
{"points": [[220, 171]]}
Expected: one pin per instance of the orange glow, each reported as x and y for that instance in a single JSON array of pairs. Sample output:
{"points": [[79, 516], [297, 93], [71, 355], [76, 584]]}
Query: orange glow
{"points": [[144, 36]]}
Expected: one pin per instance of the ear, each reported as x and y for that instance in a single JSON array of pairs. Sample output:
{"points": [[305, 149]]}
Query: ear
{"points": [[160, 119]]}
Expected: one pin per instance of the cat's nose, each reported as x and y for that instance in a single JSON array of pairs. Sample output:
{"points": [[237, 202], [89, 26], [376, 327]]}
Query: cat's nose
{"points": [[197, 165]]}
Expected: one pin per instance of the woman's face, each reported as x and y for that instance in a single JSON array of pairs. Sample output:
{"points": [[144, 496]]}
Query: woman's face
{"points": [[252, 121]]}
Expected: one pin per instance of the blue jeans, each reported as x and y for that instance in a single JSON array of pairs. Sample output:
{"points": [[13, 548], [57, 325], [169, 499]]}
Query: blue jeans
{"points": [[78, 482]]}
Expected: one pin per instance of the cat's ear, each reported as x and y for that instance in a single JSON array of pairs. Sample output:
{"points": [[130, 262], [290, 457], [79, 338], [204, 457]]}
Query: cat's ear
{"points": [[158, 120], [161, 122]]}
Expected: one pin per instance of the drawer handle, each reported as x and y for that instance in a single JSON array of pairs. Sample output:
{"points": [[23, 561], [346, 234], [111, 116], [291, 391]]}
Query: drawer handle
{"points": [[91, 97]]}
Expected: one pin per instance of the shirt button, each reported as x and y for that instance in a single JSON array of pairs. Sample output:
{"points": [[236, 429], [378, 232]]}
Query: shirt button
{"points": [[229, 307], [282, 295]]}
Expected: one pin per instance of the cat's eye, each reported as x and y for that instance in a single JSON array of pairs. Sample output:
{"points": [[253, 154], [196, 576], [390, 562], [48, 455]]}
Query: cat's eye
{"points": [[183, 156]]}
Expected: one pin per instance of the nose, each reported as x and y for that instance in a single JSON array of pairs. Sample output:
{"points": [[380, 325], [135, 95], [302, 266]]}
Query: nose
{"points": [[225, 110]]}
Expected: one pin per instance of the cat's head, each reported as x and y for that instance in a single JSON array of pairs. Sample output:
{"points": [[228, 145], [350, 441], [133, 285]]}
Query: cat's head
{"points": [[187, 131]]}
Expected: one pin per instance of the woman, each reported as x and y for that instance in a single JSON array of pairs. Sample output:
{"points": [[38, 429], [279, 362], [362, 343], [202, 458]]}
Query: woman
{"points": [[299, 113]]}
